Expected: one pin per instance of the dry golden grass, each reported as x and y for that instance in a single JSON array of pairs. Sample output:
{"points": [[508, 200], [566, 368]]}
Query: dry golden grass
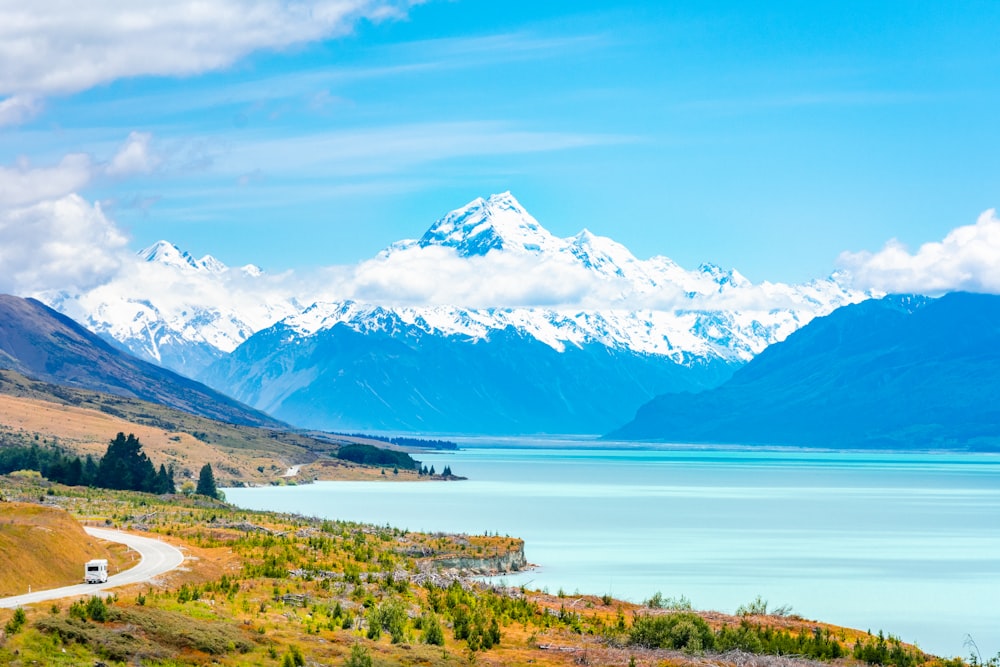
{"points": [[345, 471], [86, 431], [45, 547], [237, 453]]}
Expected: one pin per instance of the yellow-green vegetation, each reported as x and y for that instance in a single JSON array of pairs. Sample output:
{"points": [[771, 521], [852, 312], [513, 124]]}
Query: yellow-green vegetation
{"points": [[263, 588]]}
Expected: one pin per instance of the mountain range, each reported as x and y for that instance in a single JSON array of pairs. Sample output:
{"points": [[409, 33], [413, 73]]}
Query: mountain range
{"points": [[599, 332], [897, 372]]}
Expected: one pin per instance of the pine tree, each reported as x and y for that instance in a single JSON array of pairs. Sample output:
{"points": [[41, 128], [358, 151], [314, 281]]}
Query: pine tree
{"points": [[126, 466], [74, 472], [165, 481], [206, 482], [90, 471]]}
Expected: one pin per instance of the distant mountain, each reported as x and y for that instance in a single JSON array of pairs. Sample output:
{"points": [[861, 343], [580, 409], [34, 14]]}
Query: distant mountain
{"points": [[175, 310], [898, 372], [185, 313], [649, 326], [40, 343], [351, 365]]}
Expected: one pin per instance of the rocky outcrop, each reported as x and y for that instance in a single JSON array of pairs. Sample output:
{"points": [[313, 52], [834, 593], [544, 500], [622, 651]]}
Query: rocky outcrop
{"points": [[511, 560]]}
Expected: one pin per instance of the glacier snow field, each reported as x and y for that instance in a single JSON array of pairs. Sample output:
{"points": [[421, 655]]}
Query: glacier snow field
{"points": [[903, 542]]}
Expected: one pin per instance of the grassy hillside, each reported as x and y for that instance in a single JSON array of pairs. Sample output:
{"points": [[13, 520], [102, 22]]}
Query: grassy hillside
{"points": [[45, 547], [41, 343], [83, 422]]}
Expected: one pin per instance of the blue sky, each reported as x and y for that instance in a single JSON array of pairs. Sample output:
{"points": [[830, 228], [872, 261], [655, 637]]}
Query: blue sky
{"points": [[769, 137]]}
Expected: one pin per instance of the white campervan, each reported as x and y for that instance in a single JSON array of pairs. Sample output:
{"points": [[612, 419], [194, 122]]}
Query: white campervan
{"points": [[96, 572]]}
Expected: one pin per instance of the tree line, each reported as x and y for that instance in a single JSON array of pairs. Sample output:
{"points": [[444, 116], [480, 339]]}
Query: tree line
{"points": [[124, 466], [375, 456]]}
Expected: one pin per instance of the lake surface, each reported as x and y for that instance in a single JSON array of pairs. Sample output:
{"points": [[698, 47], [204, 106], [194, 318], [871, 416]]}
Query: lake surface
{"points": [[907, 543]]}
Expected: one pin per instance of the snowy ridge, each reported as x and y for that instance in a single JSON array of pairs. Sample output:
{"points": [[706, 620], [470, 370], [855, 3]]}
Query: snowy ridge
{"points": [[500, 224], [176, 310], [678, 335], [183, 312]]}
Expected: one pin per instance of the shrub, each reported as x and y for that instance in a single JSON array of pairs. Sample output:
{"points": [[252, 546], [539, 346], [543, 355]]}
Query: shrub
{"points": [[682, 630], [359, 657], [757, 607], [96, 609], [16, 622], [655, 601], [433, 634]]}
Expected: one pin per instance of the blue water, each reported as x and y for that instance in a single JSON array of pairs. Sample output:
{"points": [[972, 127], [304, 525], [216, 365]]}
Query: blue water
{"points": [[907, 543]]}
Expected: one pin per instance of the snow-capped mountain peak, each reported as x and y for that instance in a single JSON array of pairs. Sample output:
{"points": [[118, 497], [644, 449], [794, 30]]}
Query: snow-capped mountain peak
{"points": [[731, 278], [601, 254], [482, 225], [168, 254]]}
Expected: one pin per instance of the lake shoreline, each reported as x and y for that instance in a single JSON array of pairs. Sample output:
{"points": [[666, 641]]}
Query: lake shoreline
{"points": [[869, 562]]}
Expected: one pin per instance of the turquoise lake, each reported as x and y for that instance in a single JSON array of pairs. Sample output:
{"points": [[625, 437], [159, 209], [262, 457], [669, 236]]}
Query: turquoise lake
{"points": [[906, 543]]}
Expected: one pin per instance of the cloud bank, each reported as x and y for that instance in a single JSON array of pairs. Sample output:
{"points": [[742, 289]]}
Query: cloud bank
{"points": [[66, 242], [53, 47], [967, 259], [51, 237]]}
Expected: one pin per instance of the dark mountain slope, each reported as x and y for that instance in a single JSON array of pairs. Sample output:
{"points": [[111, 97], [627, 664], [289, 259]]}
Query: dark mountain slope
{"points": [[402, 378], [38, 342], [898, 372]]}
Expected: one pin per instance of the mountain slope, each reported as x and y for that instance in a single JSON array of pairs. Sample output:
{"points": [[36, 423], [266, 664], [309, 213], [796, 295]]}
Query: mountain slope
{"points": [[38, 342], [901, 372], [402, 378]]}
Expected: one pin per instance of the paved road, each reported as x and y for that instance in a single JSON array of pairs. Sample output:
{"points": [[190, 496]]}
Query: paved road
{"points": [[157, 558]]}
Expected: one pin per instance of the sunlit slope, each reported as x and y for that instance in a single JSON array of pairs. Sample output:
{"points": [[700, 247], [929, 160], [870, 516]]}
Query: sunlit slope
{"points": [[44, 547]]}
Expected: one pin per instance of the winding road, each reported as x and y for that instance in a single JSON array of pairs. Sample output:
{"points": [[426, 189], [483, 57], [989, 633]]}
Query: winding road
{"points": [[156, 558]]}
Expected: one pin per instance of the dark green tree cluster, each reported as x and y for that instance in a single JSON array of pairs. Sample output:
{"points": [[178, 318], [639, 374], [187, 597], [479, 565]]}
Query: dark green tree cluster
{"points": [[376, 456], [126, 467], [403, 441], [123, 466], [51, 463], [424, 471], [689, 632], [882, 650]]}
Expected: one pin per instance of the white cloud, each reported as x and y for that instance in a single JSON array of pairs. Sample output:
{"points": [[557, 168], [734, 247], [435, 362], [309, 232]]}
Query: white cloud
{"points": [[396, 148], [61, 243], [968, 258], [52, 238], [59, 47], [436, 275], [24, 184], [18, 109], [134, 157]]}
